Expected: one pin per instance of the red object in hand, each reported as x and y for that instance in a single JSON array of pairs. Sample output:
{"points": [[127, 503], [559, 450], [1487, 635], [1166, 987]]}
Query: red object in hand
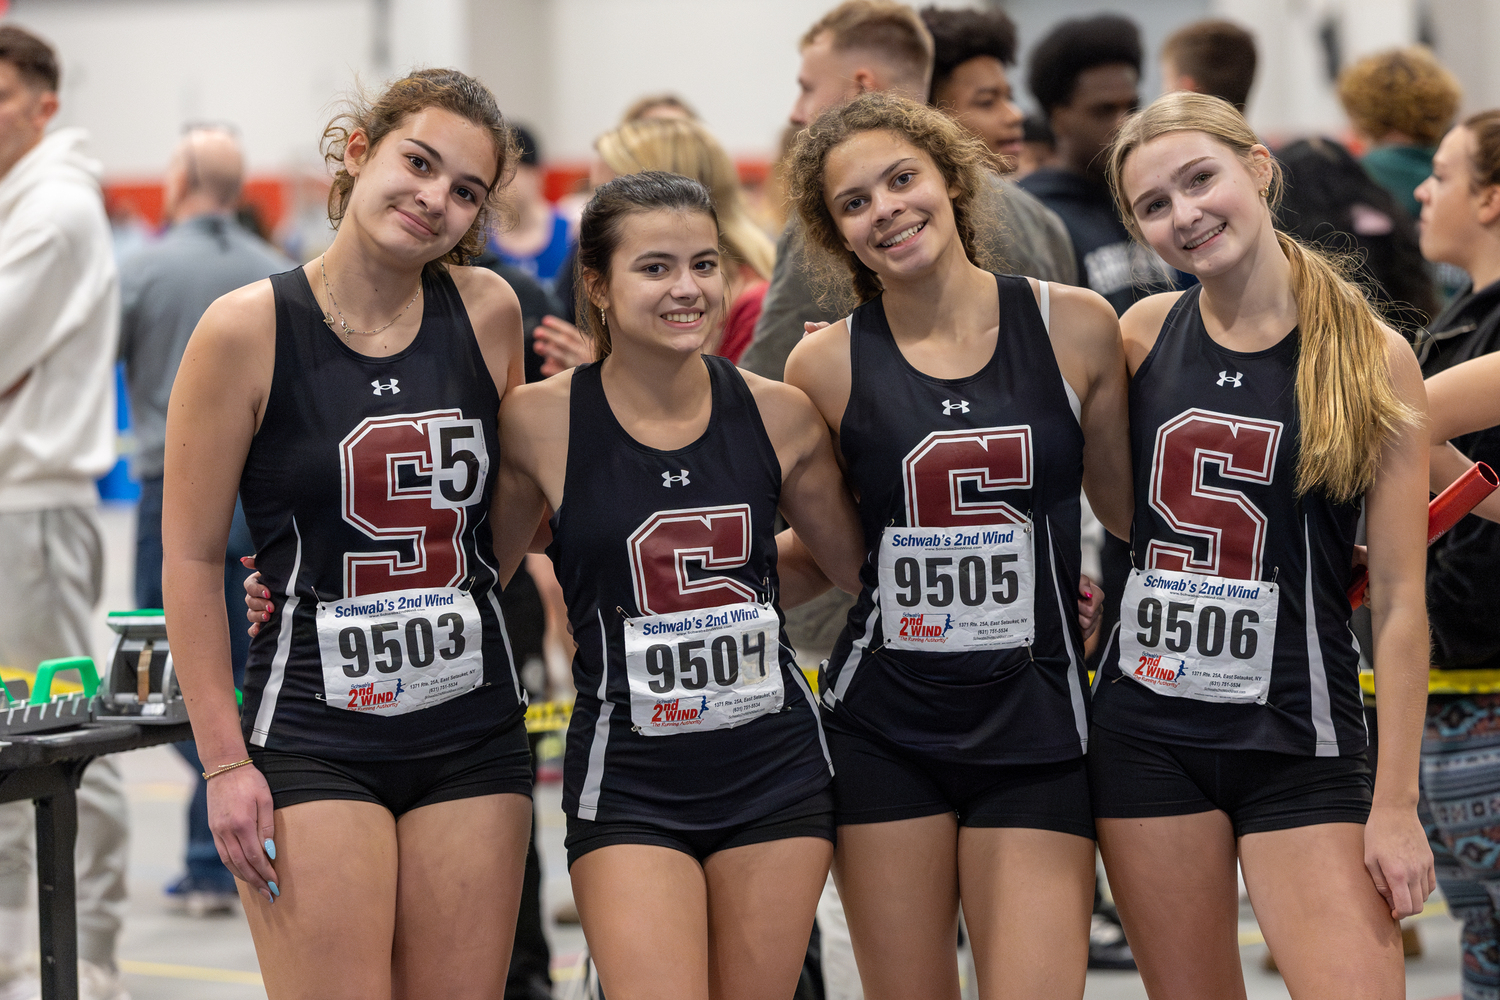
{"points": [[1447, 509]]}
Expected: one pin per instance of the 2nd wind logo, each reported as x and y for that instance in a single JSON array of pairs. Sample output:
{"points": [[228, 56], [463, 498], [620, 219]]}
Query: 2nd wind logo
{"points": [[1160, 669], [932, 628], [679, 712], [364, 697]]}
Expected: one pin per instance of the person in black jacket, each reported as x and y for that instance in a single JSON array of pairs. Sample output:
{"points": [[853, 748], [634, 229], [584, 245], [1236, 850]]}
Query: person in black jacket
{"points": [[1333, 201], [1461, 748], [1086, 76]]}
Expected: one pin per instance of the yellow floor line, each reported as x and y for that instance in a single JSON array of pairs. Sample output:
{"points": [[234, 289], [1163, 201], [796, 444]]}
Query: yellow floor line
{"points": [[199, 973], [1434, 908]]}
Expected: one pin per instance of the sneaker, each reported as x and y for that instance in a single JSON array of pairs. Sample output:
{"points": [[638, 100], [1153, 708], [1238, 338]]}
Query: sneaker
{"points": [[1108, 948], [95, 982], [188, 897]]}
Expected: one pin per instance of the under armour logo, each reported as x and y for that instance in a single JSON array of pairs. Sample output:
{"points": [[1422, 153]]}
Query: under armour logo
{"points": [[962, 406], [389, 386], [667, 479], [1232, 380]]}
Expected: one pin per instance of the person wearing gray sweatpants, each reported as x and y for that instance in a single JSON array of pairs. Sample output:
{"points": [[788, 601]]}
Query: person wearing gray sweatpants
{"points": [[59, 320]]}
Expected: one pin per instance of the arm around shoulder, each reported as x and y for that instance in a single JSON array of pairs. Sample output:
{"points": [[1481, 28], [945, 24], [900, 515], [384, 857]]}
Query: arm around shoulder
{"points": [[1086, 341], [819, 366], [534, 430], [814, 497]]}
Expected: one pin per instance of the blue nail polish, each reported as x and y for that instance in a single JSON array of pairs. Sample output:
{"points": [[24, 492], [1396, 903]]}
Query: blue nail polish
{"points": [[271, 848], [274, 891]]}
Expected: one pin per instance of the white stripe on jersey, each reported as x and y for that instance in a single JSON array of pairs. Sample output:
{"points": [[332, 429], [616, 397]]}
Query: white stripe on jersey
{"points": [[1044, 306], [1075, 689], [801, 680], [588, 798], [852, 661], [515, 677], [1327, 744], [272, 691]]}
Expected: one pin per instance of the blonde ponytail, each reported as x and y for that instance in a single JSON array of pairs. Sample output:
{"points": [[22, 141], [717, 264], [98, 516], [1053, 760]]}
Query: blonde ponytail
{"points": [[1348, 407], [677, 146]]}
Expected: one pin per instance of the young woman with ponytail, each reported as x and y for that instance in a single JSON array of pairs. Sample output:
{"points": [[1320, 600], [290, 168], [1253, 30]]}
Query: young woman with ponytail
{"points": [[1461, 226], [1266, 405]]}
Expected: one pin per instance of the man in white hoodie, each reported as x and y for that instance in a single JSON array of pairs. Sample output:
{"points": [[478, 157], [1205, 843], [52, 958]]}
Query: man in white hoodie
{"points": [[59, 320]]}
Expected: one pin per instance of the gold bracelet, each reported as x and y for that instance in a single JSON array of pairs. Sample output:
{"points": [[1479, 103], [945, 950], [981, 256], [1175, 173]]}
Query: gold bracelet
{"points": [[227, 767]]}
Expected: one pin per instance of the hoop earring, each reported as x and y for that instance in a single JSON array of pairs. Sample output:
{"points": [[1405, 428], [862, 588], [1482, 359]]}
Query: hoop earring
{"points": [[1265, 191]]}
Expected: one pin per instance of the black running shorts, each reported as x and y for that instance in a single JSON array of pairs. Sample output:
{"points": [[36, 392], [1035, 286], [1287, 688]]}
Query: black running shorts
{"points": [[498, 763], [811, 817], [876, 783], [1260, 790]]}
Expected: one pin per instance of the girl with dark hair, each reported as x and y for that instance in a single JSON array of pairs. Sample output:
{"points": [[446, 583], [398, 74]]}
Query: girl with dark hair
{"points": [[1265, 405], [1461, 359], [351, 403], [700, 824], [968, 409]]}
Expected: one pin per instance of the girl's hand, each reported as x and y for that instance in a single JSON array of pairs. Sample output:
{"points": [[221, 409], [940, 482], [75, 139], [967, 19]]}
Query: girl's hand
{"points": [[561, 345], [258, 604], [1399, 859], [1090, 604], [242, 818]]}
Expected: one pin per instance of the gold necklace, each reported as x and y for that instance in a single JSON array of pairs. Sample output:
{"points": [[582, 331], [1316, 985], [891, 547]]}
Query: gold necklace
{"points": [[343, 325]]}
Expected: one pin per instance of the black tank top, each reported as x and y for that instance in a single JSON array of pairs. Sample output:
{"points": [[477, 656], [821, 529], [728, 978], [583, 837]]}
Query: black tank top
{"points": [[367, 492], [1214, 441], [647, 531], [997, 450]]}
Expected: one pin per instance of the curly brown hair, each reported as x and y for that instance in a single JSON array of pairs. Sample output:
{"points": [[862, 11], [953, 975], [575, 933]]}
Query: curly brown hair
{"points": [[449, 90], [1401, 90], [962, 158]]}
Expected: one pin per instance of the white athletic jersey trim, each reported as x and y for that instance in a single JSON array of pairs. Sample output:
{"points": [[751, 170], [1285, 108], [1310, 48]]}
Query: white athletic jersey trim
{"points": [[812, 703], [1075, 689], [515, 676], [1044, 304], [272, 691], [1327, 740], [852, 661], [1110, 640], [588, 798]]}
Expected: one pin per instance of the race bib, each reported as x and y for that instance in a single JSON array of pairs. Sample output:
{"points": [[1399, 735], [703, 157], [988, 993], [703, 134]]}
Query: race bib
{"points": [[950, 589], [713, 668], [1209, 638], [400, 651]]}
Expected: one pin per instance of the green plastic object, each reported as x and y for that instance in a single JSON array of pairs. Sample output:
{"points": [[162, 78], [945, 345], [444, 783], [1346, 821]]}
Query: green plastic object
{"points": [[138, 613], [41, 693]]}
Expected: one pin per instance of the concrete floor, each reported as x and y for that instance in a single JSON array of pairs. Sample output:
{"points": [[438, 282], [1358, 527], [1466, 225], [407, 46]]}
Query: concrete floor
{"points": [[171, 957]]}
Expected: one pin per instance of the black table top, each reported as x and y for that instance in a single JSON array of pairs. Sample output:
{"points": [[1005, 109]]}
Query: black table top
{"points": [[92, 740]]}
